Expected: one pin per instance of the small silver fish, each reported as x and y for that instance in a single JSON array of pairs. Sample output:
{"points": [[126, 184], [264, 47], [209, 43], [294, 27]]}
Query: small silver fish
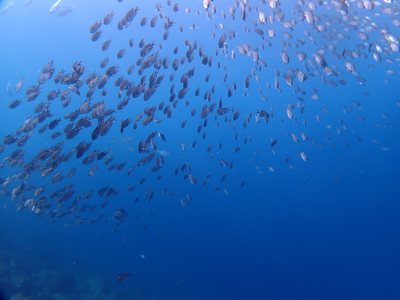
{"points": [[304, 156], [55, 6], [164, 153], [123, 140]]}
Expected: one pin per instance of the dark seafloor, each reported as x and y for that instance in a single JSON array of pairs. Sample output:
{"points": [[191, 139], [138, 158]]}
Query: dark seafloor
{"points": [[275, 175]]}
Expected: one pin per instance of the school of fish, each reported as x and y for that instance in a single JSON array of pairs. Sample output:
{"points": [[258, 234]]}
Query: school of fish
{"points": [[103, 108]]}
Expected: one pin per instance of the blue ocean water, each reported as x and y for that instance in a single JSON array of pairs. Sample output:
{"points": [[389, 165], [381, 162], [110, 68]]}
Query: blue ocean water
{"points": [[323, 229]]}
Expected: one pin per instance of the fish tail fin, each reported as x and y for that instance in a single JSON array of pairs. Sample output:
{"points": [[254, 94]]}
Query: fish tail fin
{"points": [[113, 140]]}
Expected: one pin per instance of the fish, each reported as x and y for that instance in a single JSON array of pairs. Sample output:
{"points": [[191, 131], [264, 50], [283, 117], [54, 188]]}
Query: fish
{"points": [[55, 6], [66, 11], [122, 277], [273, 142], [163, 77], [123, 140], [19, 85], [304, 156], [7, 7], [164, 153], [9, 89]]}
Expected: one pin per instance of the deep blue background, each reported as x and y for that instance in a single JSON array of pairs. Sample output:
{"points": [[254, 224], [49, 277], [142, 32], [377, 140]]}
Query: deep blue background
{"points": [[334, 237]]}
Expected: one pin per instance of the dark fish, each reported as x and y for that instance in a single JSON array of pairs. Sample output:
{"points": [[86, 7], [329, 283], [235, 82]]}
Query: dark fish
{"points": [[131, 14], [70, 80], [96, 36], [105, 128], [121, 53], [273, 142], [143, 21], [111, 71], [106, 45], [182, 93], [149, 92], [108, 18], [165, 35], [222, 40], [14, 104], [147, 120], [138, 90], [95, 27]]}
